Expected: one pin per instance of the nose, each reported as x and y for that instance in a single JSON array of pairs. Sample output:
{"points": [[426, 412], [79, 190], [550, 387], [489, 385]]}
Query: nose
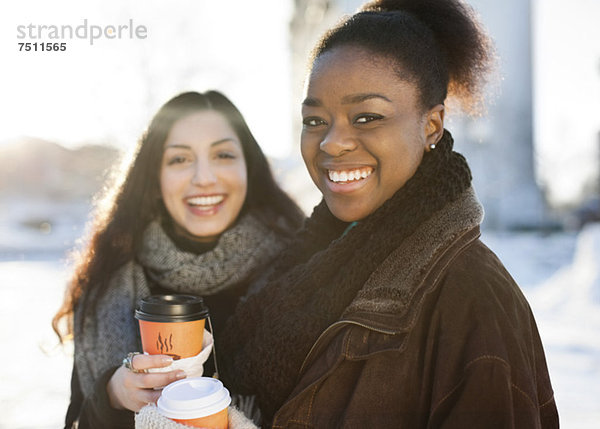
{"points": [[204, 174], [338, 140]]}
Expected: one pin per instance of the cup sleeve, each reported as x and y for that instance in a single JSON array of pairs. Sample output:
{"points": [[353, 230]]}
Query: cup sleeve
{"points": [[192, 366]]}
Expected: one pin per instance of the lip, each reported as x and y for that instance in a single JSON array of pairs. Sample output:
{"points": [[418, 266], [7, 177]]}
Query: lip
{"points": [[212, 194], [344, 165]]}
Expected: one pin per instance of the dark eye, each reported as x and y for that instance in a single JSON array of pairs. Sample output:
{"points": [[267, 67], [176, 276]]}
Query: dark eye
{"points": [[176, 160], [367, 117], [226, 155], [313, 121]]}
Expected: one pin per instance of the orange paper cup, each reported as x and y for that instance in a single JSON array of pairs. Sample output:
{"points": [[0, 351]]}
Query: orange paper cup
{"points": [[219, 420], [172, 324], [198, 402]]}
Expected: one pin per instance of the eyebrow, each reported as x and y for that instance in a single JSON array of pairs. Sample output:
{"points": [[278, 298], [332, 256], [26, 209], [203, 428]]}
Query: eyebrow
{"points": [[348, 99], [312, 102], [216, 143], [359, 98]]}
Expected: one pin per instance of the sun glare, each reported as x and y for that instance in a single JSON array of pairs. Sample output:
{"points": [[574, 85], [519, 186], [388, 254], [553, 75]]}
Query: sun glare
{"points": [[120, 63]]}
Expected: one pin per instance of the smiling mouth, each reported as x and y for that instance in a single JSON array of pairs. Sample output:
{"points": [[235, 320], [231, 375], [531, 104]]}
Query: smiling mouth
{"points": [[347, 176], [205, 201]]}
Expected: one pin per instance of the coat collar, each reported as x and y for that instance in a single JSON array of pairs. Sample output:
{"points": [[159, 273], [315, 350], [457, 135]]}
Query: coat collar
{"points": [[391, 297]]}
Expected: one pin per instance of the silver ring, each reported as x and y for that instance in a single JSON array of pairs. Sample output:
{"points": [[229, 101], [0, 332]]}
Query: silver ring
{"points": [[128, 362]]}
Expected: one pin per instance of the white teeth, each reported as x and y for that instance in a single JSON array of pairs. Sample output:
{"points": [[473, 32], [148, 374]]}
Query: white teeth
{"points": [[206, 201], [349, 175]]}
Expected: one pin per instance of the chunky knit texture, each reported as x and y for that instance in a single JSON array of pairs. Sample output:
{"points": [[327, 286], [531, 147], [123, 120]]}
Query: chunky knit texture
{"points": [[103, 338], [321, 275], [150, 418]]}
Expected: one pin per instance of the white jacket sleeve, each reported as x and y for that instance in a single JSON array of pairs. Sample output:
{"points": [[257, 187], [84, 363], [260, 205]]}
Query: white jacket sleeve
{"points": [[150, 418]]}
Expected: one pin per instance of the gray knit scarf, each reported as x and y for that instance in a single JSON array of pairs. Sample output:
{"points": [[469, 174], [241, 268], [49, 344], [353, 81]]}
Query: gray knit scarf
{"points": [[107, 335]]}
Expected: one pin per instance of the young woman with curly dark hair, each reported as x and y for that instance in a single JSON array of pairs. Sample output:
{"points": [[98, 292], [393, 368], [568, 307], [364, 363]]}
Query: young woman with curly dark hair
{"points": [[388, 311]]}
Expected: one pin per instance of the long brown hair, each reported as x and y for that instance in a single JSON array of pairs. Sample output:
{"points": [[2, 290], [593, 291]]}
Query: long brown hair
{"points": [[134, 201]]}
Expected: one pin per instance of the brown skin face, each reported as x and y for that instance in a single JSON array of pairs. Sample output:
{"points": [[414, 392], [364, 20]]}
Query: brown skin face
{"points": [[364, 130]]}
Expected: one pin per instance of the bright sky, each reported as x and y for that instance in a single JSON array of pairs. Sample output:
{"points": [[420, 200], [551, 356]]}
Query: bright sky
{"points": [[567, 95], [108, 91]]}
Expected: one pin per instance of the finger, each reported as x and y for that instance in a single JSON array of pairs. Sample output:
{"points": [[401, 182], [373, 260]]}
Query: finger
{"points": [[149, 397], [157, 379], [142, 362], [143, 398]]}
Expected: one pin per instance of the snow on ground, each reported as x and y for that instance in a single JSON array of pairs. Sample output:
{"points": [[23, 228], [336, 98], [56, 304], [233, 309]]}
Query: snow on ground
{"points": [[35, 373], [568, 306], [559, 274]]}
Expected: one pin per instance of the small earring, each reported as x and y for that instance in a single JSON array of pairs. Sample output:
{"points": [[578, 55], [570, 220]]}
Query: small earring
{"points": [[432, 146]]}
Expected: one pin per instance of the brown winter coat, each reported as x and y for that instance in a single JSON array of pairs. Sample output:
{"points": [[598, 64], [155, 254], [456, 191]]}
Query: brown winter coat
{"points": [[439, 337]]}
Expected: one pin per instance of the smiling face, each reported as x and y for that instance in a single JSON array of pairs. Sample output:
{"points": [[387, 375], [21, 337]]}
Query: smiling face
{"points": [[364, 132], [203, 178]]}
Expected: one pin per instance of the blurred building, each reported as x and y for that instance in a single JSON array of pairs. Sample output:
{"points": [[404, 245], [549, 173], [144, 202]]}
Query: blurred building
{"points": [[498, 146]]}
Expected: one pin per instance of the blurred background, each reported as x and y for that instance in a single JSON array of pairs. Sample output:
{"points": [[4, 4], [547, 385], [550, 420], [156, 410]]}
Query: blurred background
{"points": [[67, 117]]}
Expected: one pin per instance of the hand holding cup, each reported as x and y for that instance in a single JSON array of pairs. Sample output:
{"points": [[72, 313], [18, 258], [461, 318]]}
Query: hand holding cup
{"points": [[133, 388], [171, 328]]}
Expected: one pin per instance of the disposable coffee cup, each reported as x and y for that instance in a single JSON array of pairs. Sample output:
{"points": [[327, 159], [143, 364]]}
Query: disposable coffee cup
{"points": [[172, 324], [198, 402]]}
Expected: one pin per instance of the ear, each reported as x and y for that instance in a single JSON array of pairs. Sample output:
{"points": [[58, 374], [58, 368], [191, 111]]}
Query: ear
{"points": [[434, 125]]}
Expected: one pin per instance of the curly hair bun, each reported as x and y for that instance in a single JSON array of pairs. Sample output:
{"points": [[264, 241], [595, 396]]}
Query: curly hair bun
{"points": [[440, 43], [468, 50]]}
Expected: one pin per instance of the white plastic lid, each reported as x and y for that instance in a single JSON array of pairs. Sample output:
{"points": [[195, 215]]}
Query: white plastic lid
{"points": [[193, 398]]}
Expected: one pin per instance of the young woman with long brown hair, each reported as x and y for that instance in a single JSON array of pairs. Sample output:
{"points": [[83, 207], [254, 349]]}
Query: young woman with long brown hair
{"points": [[197, 212]]}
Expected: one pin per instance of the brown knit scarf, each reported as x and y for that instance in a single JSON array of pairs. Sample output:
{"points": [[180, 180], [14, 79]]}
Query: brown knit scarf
{"points": [[263, 346]]}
